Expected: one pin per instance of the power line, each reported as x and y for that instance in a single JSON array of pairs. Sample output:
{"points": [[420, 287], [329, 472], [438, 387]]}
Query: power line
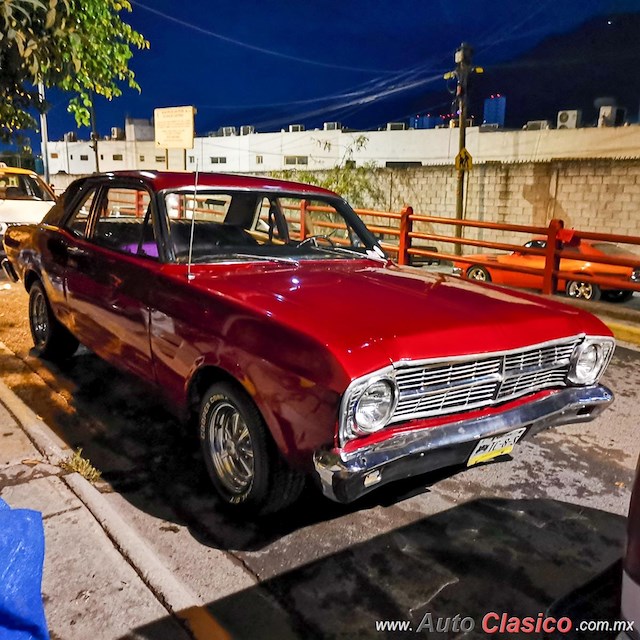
{"points": [[252, 47]]}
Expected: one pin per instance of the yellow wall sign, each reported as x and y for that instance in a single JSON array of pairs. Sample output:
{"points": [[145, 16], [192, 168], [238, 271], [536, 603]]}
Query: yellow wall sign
{"points": [[174, 127], [464, 161]]}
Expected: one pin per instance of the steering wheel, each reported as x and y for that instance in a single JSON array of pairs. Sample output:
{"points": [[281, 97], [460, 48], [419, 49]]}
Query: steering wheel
{"points": [[314, 241]]}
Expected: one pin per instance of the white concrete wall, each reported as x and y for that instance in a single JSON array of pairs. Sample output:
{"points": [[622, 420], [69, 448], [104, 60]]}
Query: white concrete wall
{"points": [[324, 149]]}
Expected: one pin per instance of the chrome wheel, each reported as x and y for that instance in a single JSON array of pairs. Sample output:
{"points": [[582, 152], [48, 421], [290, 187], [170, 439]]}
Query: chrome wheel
{"points": [[478, 273], [583, 290], [39, 318], [230, 448]]}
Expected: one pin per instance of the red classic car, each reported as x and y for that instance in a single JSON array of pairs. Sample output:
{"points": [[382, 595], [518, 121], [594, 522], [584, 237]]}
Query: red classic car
{"points": [[584, 261], [268, 312]]}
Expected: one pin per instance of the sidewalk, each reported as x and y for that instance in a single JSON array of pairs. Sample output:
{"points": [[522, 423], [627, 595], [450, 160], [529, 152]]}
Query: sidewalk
{"points": [[101, 580]]}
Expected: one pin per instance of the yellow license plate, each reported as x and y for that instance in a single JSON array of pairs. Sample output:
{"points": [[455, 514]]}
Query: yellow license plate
{"points": [[490, 448]]}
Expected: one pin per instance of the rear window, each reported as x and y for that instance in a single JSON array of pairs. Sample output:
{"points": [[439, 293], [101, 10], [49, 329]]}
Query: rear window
{"points": [[15, 186]]}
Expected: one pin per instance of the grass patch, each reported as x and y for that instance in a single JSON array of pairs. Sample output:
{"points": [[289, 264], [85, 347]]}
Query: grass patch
{"points": [[83, 466]]}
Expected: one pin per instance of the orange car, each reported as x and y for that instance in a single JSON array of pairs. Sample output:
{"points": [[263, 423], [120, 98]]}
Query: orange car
{"points": [[585, 251]]}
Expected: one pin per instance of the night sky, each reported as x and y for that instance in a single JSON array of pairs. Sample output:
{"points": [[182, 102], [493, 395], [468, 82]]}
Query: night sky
{"points": [[359, 62]]}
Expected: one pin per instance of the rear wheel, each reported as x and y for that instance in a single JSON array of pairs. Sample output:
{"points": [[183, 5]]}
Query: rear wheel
{"points": [[51, 339], [583, 290], [476, 272], [617, 296], [243, 462]]}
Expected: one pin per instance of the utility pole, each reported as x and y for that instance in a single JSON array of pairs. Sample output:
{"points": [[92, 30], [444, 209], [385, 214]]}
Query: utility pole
{"points": [[464, 69]]}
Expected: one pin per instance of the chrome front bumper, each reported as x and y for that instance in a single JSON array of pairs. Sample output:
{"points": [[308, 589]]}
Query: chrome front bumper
{"points": [[344, 477]]}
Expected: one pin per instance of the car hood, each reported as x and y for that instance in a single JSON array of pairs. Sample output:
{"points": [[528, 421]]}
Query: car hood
{"points": [[23, 211], [369, 315]]}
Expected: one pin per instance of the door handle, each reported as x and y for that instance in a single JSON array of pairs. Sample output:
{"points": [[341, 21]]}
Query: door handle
{"points": [[115, 281], [76, 252]]}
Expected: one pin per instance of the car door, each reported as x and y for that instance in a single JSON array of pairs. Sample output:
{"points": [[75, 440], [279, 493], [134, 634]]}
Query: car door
{"points": [[530, 261], [118, 262], [71, 254]]}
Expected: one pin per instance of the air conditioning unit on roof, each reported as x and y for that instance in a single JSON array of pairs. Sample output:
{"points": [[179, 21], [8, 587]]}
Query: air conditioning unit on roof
{"points": [[332, 126], [569, 119], [227, 131], [536, 125], [247, 129], [396, 126], [611, 116], [293, 128]]}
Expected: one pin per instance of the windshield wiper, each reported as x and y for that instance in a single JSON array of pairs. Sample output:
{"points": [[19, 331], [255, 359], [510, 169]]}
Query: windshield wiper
{"points": [[369, 253], [221, 257]]}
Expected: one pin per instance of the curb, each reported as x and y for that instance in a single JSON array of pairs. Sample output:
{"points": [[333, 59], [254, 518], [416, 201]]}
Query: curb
{"points": [[623, 331], [188, 608], [48, 443]]}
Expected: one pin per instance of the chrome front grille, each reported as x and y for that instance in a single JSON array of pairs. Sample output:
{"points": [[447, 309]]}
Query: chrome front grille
{"points": [[442, 388]]}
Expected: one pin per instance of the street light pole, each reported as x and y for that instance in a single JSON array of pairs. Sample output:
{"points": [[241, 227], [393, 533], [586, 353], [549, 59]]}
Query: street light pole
{"points": [[44, 136]]}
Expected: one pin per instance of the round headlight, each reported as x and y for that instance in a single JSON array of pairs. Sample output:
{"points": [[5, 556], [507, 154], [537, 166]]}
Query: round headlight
{"points": [[588, 363], [375, 406]]}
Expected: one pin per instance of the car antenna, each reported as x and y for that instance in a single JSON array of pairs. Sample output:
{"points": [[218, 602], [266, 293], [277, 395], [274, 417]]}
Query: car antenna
{"points": [[190, 275]]}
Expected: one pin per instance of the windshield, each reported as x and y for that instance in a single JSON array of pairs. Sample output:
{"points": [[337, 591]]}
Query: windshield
{"points": [[18, 186], [265, 226], [610, 249]]}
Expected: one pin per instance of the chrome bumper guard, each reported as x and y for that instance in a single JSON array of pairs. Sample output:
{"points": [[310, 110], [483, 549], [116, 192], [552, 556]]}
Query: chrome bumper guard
{"points": [[9, 270], [344, 477]]}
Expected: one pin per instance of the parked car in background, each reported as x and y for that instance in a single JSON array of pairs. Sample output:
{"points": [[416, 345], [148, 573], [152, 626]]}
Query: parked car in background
{"points": [[267, 311], [24, 198], [586, 252]]}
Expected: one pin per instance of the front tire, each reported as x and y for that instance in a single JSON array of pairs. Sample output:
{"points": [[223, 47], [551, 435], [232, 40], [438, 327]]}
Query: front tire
{"points": [[52, 340], [476, 272], [583, 290], [242, 460]]}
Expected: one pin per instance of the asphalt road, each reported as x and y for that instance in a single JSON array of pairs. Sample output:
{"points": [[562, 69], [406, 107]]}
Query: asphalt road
{"points": [[511, 536]]}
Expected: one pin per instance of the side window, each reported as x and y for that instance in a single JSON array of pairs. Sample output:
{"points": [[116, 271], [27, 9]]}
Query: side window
{"points": [[124, 222], [80, 219]]}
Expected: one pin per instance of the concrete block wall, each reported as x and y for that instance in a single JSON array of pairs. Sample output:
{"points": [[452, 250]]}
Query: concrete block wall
{"points": [[593, 195]]}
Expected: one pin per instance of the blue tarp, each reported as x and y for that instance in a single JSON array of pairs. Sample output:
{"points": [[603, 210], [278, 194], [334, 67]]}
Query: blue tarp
{"points": [[21, 560]]}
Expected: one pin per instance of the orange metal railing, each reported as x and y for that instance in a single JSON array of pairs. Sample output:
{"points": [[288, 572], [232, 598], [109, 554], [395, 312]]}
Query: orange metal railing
{"points": [[401, 225], [400, 230]]}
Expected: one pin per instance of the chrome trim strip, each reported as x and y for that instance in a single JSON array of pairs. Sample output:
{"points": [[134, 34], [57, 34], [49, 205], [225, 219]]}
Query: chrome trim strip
{"points": [[492, 354], [430, 390]]}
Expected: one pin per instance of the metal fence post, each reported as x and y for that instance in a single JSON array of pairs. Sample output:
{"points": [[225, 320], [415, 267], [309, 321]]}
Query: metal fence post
{"points": [[552, 259], [303, 219], [404, 243]]}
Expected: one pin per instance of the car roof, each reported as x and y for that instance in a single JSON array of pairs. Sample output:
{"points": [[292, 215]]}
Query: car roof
{"points": [[159, 180], [27, 172]]}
